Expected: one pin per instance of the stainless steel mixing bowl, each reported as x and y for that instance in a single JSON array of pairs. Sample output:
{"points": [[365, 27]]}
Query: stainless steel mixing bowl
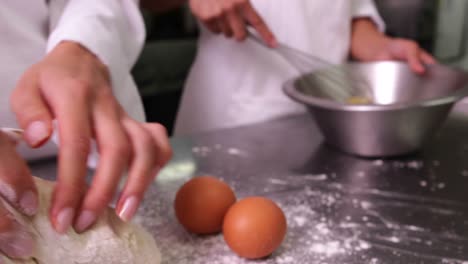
{"points": [[405, 109]]}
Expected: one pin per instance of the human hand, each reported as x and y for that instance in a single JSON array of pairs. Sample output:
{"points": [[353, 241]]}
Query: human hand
{"points": [[368, 44], [18, 189], [72, 86], [405, 50], [231, 17]]}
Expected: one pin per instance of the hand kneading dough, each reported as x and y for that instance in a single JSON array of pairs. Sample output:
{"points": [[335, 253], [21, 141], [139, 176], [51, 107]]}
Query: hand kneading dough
{"points": [[109, 241]]}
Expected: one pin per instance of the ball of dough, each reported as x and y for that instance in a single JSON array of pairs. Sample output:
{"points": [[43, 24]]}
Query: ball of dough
{"points": [[109, 241], [201, 204]]}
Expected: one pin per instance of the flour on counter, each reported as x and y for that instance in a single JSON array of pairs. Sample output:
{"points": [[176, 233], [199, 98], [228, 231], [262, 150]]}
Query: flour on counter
{"points": [[378, 162], [318, 177], [300, 220], [204, 151], [392, 239], [361, 174], [328, 248], [414, 164], [328, 222], [278, 181], [236, 152], [286, 260]]}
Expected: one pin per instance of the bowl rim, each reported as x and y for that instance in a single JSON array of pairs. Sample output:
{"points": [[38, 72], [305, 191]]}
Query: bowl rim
{"points": [[290, 90]]}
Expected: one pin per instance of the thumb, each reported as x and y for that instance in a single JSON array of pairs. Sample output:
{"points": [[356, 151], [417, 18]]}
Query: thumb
{"points": [[31, 110]]}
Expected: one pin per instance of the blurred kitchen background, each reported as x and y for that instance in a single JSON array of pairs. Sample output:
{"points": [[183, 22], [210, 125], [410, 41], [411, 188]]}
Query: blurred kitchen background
{"points": [[440, 26]]}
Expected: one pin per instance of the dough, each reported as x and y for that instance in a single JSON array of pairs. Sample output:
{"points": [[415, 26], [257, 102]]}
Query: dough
{"points": [[109, 241]]}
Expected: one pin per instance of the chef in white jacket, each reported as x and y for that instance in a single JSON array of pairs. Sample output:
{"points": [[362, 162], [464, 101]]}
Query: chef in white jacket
{"points": [[233, 84], [65, 68]]}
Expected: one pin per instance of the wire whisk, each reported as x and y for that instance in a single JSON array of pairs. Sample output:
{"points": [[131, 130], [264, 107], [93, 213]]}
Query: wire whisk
{"points": [[342, 83]]}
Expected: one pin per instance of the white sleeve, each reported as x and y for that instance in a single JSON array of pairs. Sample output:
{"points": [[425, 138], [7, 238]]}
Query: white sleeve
{"points": [[111, 29], [367, 8]]}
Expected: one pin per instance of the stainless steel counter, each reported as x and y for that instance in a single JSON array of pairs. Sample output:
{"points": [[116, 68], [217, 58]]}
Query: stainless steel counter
{"points": [[340, 209]]}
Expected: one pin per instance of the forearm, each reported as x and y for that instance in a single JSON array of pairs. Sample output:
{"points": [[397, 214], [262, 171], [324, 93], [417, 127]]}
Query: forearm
{"points": [[112, 30], [368, 43], [366, 40], [159, 6]]}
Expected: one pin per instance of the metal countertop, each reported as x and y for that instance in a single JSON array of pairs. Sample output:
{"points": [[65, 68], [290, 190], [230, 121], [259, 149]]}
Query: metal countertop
{"points": [[340, 208]]}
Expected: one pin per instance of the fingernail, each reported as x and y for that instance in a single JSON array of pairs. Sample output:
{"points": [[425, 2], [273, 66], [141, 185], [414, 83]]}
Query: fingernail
{"points": [[129, 209], [8, 193], [86, 219], [36, 132], [64, 220], [19, 244], [29, 203]]}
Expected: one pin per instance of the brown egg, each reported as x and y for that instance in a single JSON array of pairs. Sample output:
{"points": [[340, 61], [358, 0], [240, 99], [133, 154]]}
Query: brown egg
{"points": [[254, 227], [201, 204]]}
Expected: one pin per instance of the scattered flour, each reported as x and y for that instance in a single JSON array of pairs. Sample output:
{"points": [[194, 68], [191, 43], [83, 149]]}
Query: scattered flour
{"points": [[378, 162]]}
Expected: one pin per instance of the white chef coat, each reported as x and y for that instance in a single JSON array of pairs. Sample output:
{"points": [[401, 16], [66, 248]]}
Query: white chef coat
{"points": [[232, 84], [112, 29]]}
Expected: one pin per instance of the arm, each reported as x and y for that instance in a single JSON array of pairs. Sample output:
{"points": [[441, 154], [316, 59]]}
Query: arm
{"points": [[232, 18], [113, 30], [366, 40], [368, 43], [90, 53], [160, 6]]}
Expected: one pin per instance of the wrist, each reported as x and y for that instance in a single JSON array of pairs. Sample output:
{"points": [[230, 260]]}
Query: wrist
{"points": [[367, 42], [74, 51]]}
